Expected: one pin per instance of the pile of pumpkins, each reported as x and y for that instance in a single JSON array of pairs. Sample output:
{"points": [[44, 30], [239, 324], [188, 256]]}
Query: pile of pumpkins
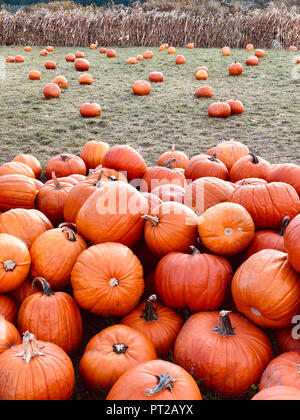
{"points": [[195, 257]]}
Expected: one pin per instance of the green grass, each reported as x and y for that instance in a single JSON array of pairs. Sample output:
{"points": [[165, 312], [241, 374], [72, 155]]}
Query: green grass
{"points": [[170, 114]]}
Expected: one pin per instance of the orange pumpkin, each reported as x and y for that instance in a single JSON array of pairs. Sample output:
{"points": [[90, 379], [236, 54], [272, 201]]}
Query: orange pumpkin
{"points": [[34, 75], [19, 59], [110, 53], [156, 76], [90, 110], [8, 308], [259, 53], [201, 75], [181, 161], [278, 393], [236, 106], [252, 60], [102, 50], [160, 175], [148, 54], [50, 65], [249, 47], [44, 52], [229, 152], [141, 87], [81, 64], [70, 58], [49, 48], [52, 90], [16, 168], [61, 81], [131, 60], [93, 152], [293, 48], [235, 69], [283, 370], [291, 242], [16, 191], [27, 48], [9, 336], [204, 92], [31, 161], [190, 45], [85, 79], [10, 59], [286, 340], [171, 50], [219, 110], [64, 165], [250, 166], [180, 59], [139, 57], [93, 46], [226, 51], [79, 54], [205, 165], [162, 47]]}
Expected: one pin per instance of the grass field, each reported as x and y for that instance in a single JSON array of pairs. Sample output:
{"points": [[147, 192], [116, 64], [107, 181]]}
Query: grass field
{"points": [[171, 114]]}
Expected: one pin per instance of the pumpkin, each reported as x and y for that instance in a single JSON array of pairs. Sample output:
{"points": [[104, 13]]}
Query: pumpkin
{"points": [[15, 262], [288, 173], [53, 255], [227, 353], [33, 370], [181, 161], [113, 213], [8, 308], [9, 335], [291, 243], [19, 59], [112, 352], [278, 393], [61, 81], [153, 200], [157, 322], [106, 175], [204, 92], [16, 191], [180, 59], [169, 192], [236, 106], [131, 60], [148, 54], [293, 48], [16, 168], [235, 69], [93, 152], [171, 227], [268, 204], [201, 75], [102, 50], [206, 166], [226, 51], [70, 58], [297, 60], [190, 45], [201, 68], [287, 339], [270, 303], [10, 59], [52, 317], [79, 54], [22, 292], [252, 60], [259, 53], [229, 152], [34, 75], [160, 175], [110, 53], [156, 77], [249, 47], [64, 165], [49, 48], [31, 161], [50, 65], [93, 47], [166, 45], [196, 281], [141, 87], [26, 225], [162, 47], [81, 64], [155, 380], [283, 370], [139, 57], [52, 90], [250, 166], [107, 279], [126, 159], [90, 110], [226, 229], [171, 50], [44, 52], [251, 181], [219, 110], [85, 79]]}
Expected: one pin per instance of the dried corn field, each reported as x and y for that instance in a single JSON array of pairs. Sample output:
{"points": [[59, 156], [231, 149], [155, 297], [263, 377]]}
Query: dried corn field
{"points": [[121, 26]]}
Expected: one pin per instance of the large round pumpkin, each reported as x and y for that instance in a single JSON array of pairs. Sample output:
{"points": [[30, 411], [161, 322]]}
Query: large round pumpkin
{"points": [[17, 191], [288, 173], [277, 393], [141, 87], [16, 168], [64, 165], [125, 158], [250, 166], [160, 175], [31, 161], [219, 110], [9, 335], [288, 339], [81, 64], [292, 244], [203, 165], [181, 161], [93, 152], [229, 152], [51, 90], [8, 308]]}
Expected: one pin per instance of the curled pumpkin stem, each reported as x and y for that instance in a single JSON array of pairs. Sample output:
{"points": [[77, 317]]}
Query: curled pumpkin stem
{"points": [[150, 313], [71, 234], [284, 224], [57, 185], [254, 158], [65, 158], [30, 348], [152, 219], [224, 327], [98, 182], [173, 148], [194, 250], [164, 382], [213, 158], [69, 226], [169, 163], [46, 286]]}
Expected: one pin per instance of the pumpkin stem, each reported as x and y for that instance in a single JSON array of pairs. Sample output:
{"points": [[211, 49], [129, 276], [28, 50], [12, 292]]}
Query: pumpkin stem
{"points": [[164, 382], [120, 348], [98, 181], [173, 148], [71, 234], [65, 158], [46, 286], [284, 224], [30, 348], [113, 282], [224, 327], [213, 158], [169, 163], [194, 250], [57, 185], [153, 219], [9, 265], [68, 225], [113, 178], [254, 158], [150, 313]]}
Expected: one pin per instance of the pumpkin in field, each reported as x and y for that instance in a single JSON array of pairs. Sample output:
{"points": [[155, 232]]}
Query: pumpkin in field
{"points": [[93, 152], [250, 166], [131, 60], [50, 65], [206, 338], [190, 45], [79, 54], [49, 48], [279, 393], [252, 60], [53, 255], [19, 59], [70, 58], [24, 224], [287, 339], [219, 110], [180, 59], [201, 75], [139, 57], [283, 370], [44, 53], [229, 152], [125, 158], [20, 369], [90, 110], [148, 54], [293, 48], [17, 191], [141, 87], [157, 322], [249, 47], [112, 352], [31, 161], [259, 53], [85, 79], [288, 173], [15, 260], [110, 53], [162, 47], [52, 90], [196, 281], [226, 229], [61, 81], [10, 59], [93, 46], [204, 92], [235, 69], [169, 192], [160, 175], [181, 161], [52, 317], [64, 165], [291, 243], [8, 308], [102, 50], [107, 279], [270, 303], [155, 380], [27, 48], [236, 106], [156, 77], [34, 75], [204, 165], [226, 51], [16, 168], [171, 50], [81, 64], [9, 335]]}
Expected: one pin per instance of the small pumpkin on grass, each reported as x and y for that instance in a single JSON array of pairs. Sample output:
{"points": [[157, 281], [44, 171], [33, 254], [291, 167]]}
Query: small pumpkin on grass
{"points": [[52, 90], [81, 64], [204, 92], [70, 58], [61, 81], [90, 110], [236, 106], [252, 60], [141, 87], [156, 77], [235, 69], [34, 75], [180, 59], [111, 53], [85, 79], [50, 65], [219, 110]]}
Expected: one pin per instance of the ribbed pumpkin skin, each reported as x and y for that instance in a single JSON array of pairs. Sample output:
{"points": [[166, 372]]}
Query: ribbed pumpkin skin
{"points": [[93, 152], [161, 175], [16, 168], [8, 308], [268, 204], [162, 331], [22, 292], [230, 364], [291, 242], [125, 158], [246, 168], [31, 161], [277, 393], [16, 191], [101, 365], [251, 181], [170, 192], [48, 377], [288, 173], [132, 385], [206, 166], [198, 282], [264, 239], [26, 225], [13, 251], [283, 370], [285, 341], [113, 214], [53, 256], [93, 279], [153, 201], [229, 152], [181, 158], [9, 335], [266, 289], [65, 165]]}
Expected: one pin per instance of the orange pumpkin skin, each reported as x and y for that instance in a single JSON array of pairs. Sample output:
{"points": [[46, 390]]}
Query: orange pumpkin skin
{"points": [[81, 64], [93, 152], [169, 192], [180, 59], [34, 75], [171, 227], [52, 317], [64, 165], [61, 81], [70, 58], [79, 54], [120, 207], [201, 75], [204, 354], [49, 48], [85, 79], [153, 201], [226, 229], [44, 52], [235, 69], [219, 110], [126, 159], [195, 281], [31, 161], [139, 383], [16, 191], [117, 349], [181, 161], [250, 166], [226, 51], [257, 300], [15, 259], [107, 279], [111, 53], [10, 59], [162, 47], [90, 110], [161, 175], [50, 65], [201, 68], [148, 54], [52, 90], [283, 370], [252, 60], [171, 50], [9, 336], [236, 106], [8, 309], [206, 166], [22, 292], [285, 341], [278, 393], [190, 45], [102, 50], [16, 168], [291, 243], [157, 322], [293, 48], [268, 204], [131, 60], [259, 53], [53, 255], [27, 225], [229, 152], [156, 77], [288, 173], [93, 46], [204, 92], [141, 87], [22, 380], [19, 59], [249, 47], [251, 181], [139, 57]]}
